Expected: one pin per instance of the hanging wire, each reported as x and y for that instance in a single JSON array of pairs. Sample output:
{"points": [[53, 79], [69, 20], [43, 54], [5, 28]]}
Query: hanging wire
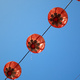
{"points": [[67, 5], [22, 59], [77, 77], [46, 30]]}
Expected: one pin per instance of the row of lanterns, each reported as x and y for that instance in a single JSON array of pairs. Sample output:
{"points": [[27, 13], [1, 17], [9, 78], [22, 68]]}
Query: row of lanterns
{"points": [[57, 18]]}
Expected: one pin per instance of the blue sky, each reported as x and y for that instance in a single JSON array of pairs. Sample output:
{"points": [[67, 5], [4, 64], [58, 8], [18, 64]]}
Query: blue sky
{"points": [[60, 60]]}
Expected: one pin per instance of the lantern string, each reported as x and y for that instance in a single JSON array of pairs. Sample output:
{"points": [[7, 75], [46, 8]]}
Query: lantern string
{"points": [[77, 77], [46, 30], [22, 59], [68, 4]]}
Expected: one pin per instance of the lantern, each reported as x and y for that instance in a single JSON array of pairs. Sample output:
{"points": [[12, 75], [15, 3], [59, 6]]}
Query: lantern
{"points": [[57, 17], [12, 70], [35, 43]]}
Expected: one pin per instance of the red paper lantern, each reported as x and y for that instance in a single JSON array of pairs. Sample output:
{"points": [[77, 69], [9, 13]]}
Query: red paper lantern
{"points": [[12, 70], [57, 17], [35, 43], [78, 0]]}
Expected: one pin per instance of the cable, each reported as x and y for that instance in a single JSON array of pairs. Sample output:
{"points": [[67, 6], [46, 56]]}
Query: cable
{"points": [[22, 59], [67, 5], [77, 77], [46, 30]]}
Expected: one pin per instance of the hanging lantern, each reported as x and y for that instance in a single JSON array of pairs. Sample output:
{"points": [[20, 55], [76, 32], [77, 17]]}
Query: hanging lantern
{"points": [[35, 43], [57, 17], [12, 70], [78, 0]]}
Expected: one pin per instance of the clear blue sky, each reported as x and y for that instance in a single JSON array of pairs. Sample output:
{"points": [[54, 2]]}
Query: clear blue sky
{"points": [[60, 59]]}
